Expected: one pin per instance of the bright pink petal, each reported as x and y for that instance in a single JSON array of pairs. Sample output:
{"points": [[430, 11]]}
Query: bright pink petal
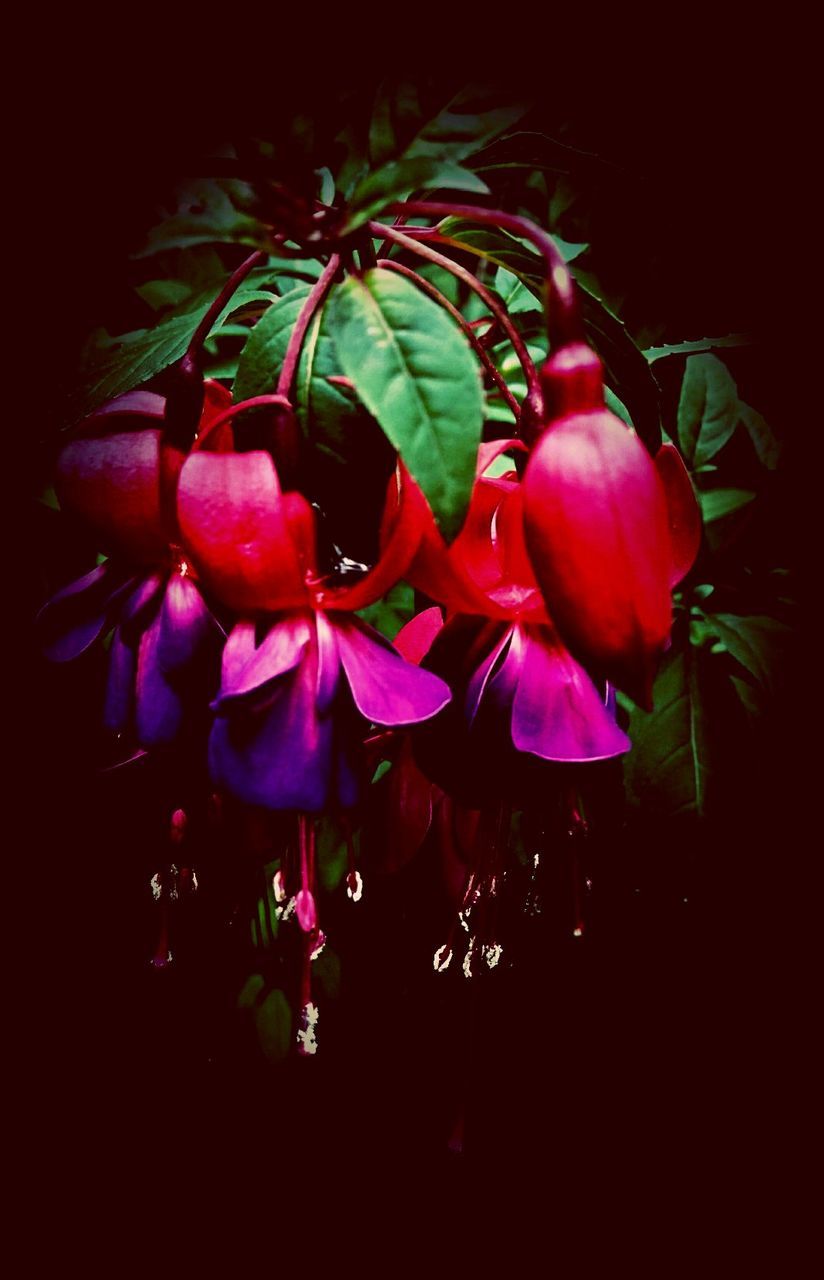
{"points": [[247, 668], [328, 664], [682, 508], [231, 515], [557, 712], [137, 403], [112, 483], [415, 639], [386, 689]]}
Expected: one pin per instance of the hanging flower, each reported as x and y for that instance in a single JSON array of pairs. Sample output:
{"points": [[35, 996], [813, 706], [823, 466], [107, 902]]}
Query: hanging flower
{"points": [[300, 673], [597, 527], [165, 639]]}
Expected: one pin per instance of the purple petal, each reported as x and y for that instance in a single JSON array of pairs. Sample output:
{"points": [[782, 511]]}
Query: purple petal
{"points": [[328, 664], [74, 618], [248, 669], [558, 713], [159, 707], [120, 683], [141, 606], [477, 685], [279, 757], [187, 625], [385, 688]]}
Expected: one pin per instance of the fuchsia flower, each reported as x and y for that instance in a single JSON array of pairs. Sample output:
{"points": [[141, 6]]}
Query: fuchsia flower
{"points": [[111, 476], [300, 674], [518, 692], [598, 514]]}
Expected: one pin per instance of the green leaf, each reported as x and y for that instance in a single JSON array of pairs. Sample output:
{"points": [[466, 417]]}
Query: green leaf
{"points": [[691, 348], [767, 445], [395, 180], [758, 642], [514, 254], [717, 503], [626, 371], [327, 971], [401, 125], [332, 853], [262, 356], [273, 1022], [751, 700], [250, 991], [209, 212], [416, 373], [392, 612], [707, 410], [617, 406], [668, 769], [164, 293], [514, 294], [121, 363]]}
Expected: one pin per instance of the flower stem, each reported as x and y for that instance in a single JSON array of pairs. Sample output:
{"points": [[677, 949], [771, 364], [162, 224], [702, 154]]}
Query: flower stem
{"points": [[497, 308], [310, 306], [563, 316], [388, 264], [254, 402], [237, 277]]}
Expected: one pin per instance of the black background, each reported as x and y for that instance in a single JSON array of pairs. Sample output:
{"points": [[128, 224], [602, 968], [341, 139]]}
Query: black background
{"points": [[649, 1067]]}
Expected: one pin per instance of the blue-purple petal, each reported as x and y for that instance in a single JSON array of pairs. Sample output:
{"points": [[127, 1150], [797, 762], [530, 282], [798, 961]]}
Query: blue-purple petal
{"points": [[120, 682], [159, 706], [81, 612], [187, 625]]}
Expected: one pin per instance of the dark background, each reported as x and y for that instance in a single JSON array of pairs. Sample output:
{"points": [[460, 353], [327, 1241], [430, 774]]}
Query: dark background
{"points": [[648, 1065]]}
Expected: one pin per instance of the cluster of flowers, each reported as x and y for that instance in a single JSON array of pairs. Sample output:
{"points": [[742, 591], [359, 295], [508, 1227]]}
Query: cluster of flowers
{"points": [[556, 591]]}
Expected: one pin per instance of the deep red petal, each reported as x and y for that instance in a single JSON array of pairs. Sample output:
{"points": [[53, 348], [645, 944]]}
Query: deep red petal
{"points": [[233, 525], [414, 640], [683, 510], [112, 483]]}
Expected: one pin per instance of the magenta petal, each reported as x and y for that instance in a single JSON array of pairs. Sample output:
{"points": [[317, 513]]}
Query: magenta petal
{"points": [[328, 664], [306, 911], [159, 707], [141, 606], [186, 624], [76, 616], [120, 682], [279, 757], [480, 679], [386, 689], [247, 668], [558, 713]]}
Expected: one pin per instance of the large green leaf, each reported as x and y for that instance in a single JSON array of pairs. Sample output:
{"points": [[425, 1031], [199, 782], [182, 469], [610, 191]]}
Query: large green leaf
{"points": [[717, 503], [416, 373], [411, 149], [668, 770], [273, 1023], [504, 250], [693, 348], [707, 410], [395, 181], [119, 364], [766, 443], [757, 641], [625, 369], [264, 351], [209, 212]]}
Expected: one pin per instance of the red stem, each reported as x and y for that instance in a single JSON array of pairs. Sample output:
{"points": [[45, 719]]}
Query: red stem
{"points": [[316, 296], [443, 301], [497, 309], [565, 325], [203, 330], [254, 402]]}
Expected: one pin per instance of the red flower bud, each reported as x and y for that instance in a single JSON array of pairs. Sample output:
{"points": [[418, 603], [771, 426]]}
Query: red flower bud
{"points": [[595, 517]]}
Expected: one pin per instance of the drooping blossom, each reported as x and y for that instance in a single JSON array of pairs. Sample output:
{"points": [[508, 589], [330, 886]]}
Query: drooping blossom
{"points": [[300, 673], [165, 641], [597, 522]]}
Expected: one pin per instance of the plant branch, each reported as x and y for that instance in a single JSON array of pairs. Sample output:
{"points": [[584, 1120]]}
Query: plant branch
{"points": [[313, 301], [237, 277]]}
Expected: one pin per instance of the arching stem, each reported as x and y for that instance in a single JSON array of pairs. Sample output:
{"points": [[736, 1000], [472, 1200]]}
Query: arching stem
{"points": [[237, 277], [310, 306], [254, 402], [388, 264], [498, 310], [563, 316]]}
